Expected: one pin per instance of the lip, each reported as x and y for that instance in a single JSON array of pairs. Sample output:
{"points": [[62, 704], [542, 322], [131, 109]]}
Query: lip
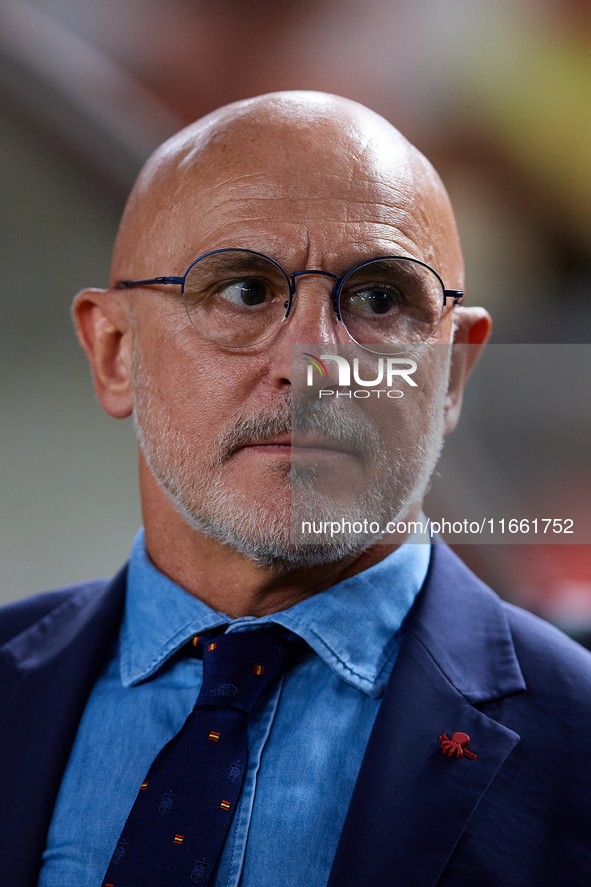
{"points": [[313, 444]]}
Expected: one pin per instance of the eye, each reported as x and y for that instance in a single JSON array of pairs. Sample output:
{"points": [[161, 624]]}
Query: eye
{"points": [[374, 300], [247, 292]]}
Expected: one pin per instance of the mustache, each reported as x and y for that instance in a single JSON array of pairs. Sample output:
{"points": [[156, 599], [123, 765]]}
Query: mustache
{"points": [[295, 414]]}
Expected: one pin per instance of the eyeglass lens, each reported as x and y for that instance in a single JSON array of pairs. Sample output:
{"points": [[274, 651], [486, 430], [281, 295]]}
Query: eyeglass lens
{"points": [[238, 299]]}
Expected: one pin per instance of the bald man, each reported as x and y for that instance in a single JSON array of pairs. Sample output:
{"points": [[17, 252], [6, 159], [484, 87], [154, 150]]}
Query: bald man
{"points": [[243, 705]]}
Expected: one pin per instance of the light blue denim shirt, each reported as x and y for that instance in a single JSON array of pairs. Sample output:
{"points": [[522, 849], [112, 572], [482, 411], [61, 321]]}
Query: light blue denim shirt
{"points": [[307, 735]]}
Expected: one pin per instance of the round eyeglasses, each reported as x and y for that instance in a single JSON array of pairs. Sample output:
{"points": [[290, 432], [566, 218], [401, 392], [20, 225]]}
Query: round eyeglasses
{"points": [[236, 298]]}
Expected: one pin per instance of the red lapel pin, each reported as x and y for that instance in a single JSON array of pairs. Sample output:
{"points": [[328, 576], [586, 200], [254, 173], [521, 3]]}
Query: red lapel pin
{"points": [[456, 746]]}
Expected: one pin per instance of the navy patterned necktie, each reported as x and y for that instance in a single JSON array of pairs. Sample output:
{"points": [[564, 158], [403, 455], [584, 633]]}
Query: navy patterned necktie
{"points": [[181, 816]]}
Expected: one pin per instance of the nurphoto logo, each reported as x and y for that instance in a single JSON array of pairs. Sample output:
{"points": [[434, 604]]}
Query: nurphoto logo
{"points": [[388, 370]]}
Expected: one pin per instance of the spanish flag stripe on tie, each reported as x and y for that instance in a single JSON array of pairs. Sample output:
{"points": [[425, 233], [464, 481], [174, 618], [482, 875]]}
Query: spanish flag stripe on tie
{"points": [[144, 784], [195, 640], [259, 669], [225, 805], [212, 647], [213, 735], [178, 839]]}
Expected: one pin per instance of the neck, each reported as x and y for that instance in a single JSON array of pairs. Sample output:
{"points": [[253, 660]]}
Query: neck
{"points": [[225, 579]]}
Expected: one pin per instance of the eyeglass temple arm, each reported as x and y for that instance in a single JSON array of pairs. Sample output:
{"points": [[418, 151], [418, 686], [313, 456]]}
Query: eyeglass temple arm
{"points": [[456, 295], [126, 284]]}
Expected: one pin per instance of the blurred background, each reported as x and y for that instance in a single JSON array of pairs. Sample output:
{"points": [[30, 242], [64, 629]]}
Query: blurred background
{"points": [[497, 93]]}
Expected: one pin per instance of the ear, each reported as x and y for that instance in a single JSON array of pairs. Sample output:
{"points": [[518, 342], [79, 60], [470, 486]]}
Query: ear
{"points": [[104, 327], [472, 328]]}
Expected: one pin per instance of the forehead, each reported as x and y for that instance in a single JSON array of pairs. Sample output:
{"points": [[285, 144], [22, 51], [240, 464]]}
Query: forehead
{"points": [[297, 213], [314, 195], [298, 222]]}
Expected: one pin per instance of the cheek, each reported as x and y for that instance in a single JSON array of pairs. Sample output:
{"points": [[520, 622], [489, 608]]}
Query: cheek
{"points": [[403, 421], [199, 390], [200, 400]]}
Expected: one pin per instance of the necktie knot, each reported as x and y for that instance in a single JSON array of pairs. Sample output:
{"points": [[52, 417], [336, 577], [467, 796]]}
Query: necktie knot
{"points": [[238, 666]]}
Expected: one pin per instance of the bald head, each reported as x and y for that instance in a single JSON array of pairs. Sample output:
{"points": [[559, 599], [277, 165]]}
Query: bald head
{"points": [[300, 158]]}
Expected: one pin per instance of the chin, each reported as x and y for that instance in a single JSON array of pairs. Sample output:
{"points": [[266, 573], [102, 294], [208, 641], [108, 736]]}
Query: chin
{"points": [[268, 529]]}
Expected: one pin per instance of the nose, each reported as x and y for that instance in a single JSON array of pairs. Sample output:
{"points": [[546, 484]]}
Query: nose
{"points": [[312, 313], [311, 321]]}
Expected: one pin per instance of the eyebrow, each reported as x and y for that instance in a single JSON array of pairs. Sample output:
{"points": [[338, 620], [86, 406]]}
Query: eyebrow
{"points": [[235, 263]]}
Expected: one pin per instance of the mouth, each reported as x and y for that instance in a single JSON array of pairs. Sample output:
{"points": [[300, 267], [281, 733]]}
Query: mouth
{"points": [[307, 445]]}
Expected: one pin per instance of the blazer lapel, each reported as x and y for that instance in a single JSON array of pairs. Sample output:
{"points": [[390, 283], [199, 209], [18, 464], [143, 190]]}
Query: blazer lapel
{"points": [[411, 802], [46, 675]]}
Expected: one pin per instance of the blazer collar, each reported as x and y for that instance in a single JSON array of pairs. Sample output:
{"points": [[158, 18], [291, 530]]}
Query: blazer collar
{"points": [[411, 802], [463, 625], [50, 636]]}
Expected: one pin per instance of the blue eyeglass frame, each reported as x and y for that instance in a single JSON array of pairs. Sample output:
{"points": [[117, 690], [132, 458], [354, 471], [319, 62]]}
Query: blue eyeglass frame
{"points": [[456, 295]]}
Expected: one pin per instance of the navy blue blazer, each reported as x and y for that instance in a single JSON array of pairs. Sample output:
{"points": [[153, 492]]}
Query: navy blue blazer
{"points": [[517, 815]]}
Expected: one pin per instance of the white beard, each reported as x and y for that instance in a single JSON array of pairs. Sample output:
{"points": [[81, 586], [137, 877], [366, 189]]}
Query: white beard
{"points": [[200, 492]]}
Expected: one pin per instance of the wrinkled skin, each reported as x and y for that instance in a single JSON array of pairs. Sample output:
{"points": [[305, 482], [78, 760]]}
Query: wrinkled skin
{"points": [[314, 181]]}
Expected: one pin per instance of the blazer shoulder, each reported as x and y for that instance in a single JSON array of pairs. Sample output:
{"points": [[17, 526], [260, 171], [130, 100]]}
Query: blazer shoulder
{"points": [[550, 659], [16, 617]]}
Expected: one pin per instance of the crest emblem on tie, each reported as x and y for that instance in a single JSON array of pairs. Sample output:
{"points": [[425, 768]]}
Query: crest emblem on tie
{"points": [[225, 690], [235, 773], [199, 870], [166, 802], [119, 851]]}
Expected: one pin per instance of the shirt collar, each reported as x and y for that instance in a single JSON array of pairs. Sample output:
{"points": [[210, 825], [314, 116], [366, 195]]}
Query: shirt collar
{"points": [[354, 626]]}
